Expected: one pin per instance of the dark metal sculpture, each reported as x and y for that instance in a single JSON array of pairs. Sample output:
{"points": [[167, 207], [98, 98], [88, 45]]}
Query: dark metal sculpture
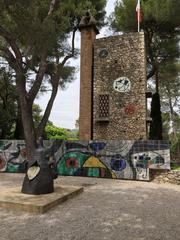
{"points": [[41, 171], [88, 20]]}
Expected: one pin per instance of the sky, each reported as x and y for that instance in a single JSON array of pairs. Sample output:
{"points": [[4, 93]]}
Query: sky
{"points": [[65, 110]]}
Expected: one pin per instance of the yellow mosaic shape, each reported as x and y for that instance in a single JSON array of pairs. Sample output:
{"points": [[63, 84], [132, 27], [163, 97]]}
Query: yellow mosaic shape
{"points": [[94, 162], [113, 174]]}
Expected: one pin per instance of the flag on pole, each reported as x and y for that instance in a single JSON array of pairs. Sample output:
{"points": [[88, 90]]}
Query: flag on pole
{"points": [[138, 12]]}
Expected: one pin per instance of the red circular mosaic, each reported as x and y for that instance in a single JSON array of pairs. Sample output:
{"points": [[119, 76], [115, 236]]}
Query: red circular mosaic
{"points": [[130, 109], [71, 162]]}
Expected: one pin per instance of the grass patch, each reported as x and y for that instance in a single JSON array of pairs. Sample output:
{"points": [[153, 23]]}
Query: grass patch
{"points": [[175, 166]]}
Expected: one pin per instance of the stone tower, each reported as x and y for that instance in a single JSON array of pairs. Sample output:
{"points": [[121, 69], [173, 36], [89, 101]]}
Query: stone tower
{"points": [[119, 87], [112, 86], [88, 30]]}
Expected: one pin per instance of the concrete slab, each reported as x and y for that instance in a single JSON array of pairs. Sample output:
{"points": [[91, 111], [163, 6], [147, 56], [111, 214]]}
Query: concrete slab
{"points": [[12, 198]]}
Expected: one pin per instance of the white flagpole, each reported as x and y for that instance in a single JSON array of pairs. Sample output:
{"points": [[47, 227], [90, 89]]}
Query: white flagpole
{"points": [[138, 23], [138, 14]]}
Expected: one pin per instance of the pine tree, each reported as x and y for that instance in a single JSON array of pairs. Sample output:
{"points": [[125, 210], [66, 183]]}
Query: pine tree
{"points": [[156, 124], [160, 23], [34, 41]]}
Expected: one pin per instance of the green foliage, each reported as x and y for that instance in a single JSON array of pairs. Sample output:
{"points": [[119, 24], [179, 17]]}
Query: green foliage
{"points": [[124, 16], [175, 145], [53, 132], [37, 114], [170, 85], [8, 103], [170, 93], [34, 41], [163, 13], [165, 126], [156, 124], [36, 32], [67, 76], [73, 134], [160, 23], [162, 16], [9, 107], [175, 167]]}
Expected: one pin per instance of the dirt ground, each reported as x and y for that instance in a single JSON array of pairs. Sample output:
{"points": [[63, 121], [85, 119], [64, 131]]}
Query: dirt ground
{"points": [[107, 209]]}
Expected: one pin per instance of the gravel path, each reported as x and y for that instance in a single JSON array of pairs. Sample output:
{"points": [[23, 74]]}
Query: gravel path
{"points": [[107, 209]]}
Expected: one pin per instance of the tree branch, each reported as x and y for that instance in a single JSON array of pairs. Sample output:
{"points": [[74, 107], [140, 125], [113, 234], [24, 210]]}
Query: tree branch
{"points": [[51, 9], [52, 6], [28, 65], [9, 39], [72, 48], [38, 81], [9, 57], [55, 84], [151, 73]]}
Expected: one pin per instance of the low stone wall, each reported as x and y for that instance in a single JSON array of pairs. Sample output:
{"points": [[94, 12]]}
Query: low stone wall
{"points": [[165, 176]]}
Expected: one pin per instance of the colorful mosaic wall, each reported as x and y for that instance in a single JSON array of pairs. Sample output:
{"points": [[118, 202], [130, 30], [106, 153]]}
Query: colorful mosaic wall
{"points": [[12, 156], [121, 159]]}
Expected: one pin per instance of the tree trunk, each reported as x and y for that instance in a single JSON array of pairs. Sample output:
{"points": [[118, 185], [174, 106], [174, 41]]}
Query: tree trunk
{"points": [[156, 124], [172, 129], [19, 131], [3, 132], [42, 125], [28, 125], [27, 118], [6, 125], [157, 81]]}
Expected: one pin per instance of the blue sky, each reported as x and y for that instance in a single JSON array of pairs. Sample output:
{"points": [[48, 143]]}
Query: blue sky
{"points": [[65, 110]]}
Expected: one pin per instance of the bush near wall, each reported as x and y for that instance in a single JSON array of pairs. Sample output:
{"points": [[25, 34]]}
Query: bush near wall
{"points": [[175, 149], [53, 132]]}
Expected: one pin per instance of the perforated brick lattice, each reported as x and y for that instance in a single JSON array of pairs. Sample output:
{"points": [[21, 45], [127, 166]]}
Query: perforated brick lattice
{"points": [[104, 106]]}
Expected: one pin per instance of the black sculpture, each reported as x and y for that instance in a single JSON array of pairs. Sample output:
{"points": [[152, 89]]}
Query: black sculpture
{"points": [[41, 171], [88, 20]]}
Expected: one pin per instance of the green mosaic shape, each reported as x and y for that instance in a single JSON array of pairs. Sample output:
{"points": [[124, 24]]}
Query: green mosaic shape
{"points": [[62, 168], [93, 172], [12, 168]]}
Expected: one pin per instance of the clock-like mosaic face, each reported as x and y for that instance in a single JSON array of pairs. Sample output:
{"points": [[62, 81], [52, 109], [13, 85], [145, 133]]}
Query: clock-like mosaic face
{"points": [[103, 53], [122, 84]]}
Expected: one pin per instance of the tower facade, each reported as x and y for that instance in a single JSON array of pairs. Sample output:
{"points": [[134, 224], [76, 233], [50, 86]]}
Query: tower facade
{"points": [[112, 85], [119, 87], [88, 35]]}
